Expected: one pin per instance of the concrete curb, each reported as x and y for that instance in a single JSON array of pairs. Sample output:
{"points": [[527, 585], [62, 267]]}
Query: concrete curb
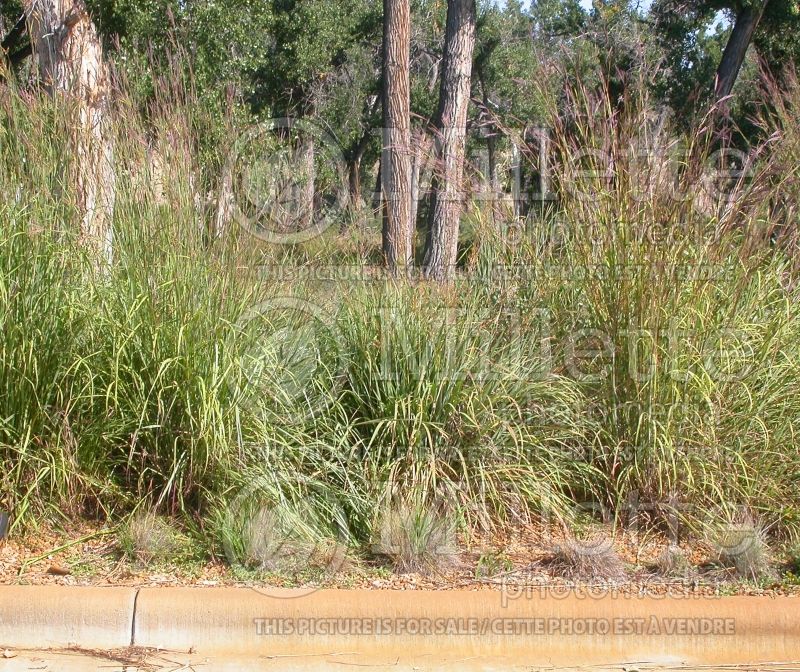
{"points": [[407, 627], [534, 626], [53, 617]]}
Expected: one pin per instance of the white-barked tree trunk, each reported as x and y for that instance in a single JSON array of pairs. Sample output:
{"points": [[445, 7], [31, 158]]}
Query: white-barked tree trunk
{"points": [[71, 64]]}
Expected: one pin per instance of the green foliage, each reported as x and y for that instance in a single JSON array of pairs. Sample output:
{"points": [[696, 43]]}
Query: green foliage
{"points": [[692, 37], [778, 38], [506, 55], [226, 41], [648, 350], [309, 39], [9, 13]]}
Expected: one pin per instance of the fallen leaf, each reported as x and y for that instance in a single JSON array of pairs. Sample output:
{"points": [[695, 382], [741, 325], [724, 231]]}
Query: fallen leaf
{"points": [[58, 570]]}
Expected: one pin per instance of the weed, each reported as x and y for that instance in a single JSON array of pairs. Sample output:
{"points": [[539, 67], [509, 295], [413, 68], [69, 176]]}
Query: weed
{"points": [[491, 564]]}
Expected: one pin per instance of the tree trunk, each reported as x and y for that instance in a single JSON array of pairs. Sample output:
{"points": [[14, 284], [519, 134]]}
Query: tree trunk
{"points": [[354, 182], [442, 243], [396, 168], [421, 147], [491, 150], [491, 139], [355, 157], [517, 180], [307, 186], [377, 195], [735, 50], [70, 57], [492, 181], [355, 199]]}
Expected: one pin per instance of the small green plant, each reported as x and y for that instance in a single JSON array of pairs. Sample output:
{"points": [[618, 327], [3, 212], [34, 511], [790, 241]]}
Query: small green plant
{"points": [[791, 579], [261, 531], [491, 564], [794, 558], [673, 563], [792, 574]]}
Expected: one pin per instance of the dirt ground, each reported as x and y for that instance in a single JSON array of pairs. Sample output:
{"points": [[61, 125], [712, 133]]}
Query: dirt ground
{"points": [[84, 555]]}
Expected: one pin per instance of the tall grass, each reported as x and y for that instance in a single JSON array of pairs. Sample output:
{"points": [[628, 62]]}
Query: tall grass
{"points": [[441, 390], [671, 311], [644, 348], [123, 379], [40, 324]]}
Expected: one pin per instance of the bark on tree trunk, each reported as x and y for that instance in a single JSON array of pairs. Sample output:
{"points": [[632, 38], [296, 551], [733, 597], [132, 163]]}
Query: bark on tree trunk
{"points": [[492, 181], [70, 58], [421, 147], [307, 191], [354, 170], [377, 195], [447, 198], [735, 50], [396, 168], [356, 155], [354, 182], [355, 199], [491, 139], [516, 179], [491, 149]]}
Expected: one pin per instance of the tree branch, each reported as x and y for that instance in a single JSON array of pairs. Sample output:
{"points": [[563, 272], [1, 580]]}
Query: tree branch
{"points": [[14, 35], [18, 56], [11, 41]]}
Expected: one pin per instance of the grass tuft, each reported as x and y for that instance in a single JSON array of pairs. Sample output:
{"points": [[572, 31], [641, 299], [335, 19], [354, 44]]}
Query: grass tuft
{"points": [[589, 560], [417, 538], [149, 539], [743, 547]]}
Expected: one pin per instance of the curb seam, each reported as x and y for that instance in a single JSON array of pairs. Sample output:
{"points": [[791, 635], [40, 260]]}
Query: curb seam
{"points": [[133, 616]]}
